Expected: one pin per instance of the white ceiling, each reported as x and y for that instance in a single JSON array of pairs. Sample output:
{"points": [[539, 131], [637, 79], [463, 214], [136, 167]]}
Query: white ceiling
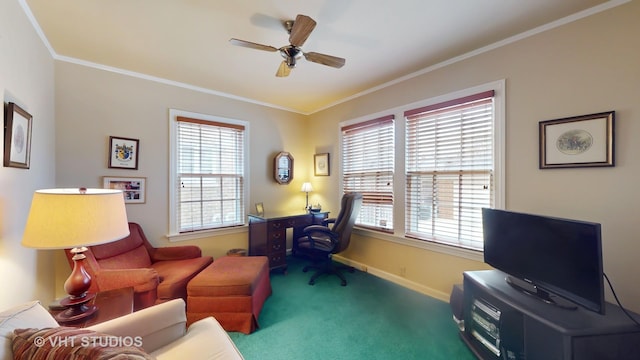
{"points": [[186, 42]]}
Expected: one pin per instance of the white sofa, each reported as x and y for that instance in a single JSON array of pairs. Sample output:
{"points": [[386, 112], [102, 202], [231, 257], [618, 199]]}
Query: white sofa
{"points": [[161, 329]]}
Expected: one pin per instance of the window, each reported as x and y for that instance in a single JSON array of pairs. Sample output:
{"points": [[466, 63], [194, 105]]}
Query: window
{"points": [[450, 170], [368, 166], [208, 167]]}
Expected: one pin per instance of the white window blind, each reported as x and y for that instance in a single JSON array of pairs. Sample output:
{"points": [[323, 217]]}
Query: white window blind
{"points": [[367, 167], [450, 170], [210, 174]]}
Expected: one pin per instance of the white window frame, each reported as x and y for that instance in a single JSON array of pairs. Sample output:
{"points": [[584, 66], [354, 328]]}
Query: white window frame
{"points": [[374, 201], [174, 233], [399, 235]]}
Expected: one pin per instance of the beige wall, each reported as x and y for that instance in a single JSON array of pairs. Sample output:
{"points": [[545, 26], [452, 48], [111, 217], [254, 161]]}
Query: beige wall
{"points": [[93, 104], [588, 66], [26, 78]]}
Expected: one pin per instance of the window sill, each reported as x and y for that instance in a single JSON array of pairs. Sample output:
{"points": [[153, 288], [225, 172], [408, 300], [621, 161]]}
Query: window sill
{"points": [[206, 233], [421, 244]]}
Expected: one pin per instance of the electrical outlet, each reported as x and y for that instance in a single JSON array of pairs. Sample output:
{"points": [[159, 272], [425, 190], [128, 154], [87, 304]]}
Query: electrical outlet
{"points": [[363, 268]]}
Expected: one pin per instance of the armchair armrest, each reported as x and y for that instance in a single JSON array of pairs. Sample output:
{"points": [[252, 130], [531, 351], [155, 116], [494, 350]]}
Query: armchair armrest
{"points": [[157, 325], [175, 253], [143, 279]]}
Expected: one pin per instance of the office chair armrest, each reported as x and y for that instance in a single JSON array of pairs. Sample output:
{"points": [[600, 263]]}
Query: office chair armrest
{"points": [[328, 221], [319, 231]]}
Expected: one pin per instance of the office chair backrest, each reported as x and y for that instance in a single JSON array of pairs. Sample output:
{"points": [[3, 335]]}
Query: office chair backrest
{"points": [[349, 209]]}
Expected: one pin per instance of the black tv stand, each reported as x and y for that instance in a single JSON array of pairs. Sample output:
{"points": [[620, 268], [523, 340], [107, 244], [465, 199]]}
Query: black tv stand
{"points": [[501, 322], [539, 294]]}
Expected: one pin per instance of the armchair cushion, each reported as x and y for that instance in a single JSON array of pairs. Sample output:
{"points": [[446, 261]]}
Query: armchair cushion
{"points": [[175, 274], [137, 258]]}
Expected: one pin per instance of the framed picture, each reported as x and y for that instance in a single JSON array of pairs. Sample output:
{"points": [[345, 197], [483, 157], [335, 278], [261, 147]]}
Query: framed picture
{"points": [[321, 164], [579, 141], [134, 188], [123, 153], [260, 209], [17, 137]]}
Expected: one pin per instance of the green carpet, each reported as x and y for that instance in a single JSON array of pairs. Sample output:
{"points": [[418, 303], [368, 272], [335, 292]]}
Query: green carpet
{"points": [[370, 318]]}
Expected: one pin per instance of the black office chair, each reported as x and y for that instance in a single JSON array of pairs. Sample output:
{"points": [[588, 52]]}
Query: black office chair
{"points": [[321, 242]]}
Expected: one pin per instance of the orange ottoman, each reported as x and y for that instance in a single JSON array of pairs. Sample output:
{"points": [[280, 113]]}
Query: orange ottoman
{"points": [[232, 289]]}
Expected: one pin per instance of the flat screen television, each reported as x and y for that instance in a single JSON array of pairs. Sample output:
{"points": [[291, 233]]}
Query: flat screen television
{"points": [[547, 256]]}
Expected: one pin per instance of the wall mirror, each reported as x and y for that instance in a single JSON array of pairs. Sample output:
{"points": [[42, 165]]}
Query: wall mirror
{"points": [[283, 168]]}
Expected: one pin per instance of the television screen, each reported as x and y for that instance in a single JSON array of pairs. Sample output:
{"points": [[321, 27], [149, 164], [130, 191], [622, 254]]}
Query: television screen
{"points": [[553, 255]]}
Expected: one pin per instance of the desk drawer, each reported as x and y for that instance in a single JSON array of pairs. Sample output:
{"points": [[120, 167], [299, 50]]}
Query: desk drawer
{"points": [[276, 234], [276, 245], [281, 224], [277, 259]]}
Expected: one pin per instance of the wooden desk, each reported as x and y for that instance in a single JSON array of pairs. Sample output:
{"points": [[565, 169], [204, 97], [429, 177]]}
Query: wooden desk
{"points": [[111, 304], [268, 234]]}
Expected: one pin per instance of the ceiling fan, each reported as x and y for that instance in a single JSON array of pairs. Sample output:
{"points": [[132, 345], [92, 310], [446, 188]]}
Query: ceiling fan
{"points": [[299, 30]]}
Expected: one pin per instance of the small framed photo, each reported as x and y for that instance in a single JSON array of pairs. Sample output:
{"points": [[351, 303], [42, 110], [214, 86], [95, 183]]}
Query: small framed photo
{"points": [[123, 153], [17, 137], [134, 188], [579, 141], [260, 209], [321, 164]]}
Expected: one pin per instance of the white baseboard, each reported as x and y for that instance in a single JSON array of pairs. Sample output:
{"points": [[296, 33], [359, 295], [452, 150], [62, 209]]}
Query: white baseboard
{"points": [[394, 278]]}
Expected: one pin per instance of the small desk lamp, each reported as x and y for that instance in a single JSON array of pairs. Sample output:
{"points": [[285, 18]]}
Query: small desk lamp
{"points": [[307, 188], [75, 218]]}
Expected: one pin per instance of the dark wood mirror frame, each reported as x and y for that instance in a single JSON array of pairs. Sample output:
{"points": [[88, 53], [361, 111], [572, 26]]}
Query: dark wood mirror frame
{"points": [[283, 168]]}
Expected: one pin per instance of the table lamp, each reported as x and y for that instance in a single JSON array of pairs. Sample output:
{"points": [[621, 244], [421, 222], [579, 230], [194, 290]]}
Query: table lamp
{"points": [[75, 218], [307, 188]]}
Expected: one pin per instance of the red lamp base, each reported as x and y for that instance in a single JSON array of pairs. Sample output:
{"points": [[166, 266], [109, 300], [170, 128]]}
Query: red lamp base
{"points": [[77, 286], [77, 309]]}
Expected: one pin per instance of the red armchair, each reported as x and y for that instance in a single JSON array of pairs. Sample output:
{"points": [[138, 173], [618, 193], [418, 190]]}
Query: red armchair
{"points": [[156, 274]]}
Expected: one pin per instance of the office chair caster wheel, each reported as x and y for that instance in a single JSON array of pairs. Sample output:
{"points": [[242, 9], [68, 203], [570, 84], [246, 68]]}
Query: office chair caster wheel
{"points": [[312, 282], [343, 283]]}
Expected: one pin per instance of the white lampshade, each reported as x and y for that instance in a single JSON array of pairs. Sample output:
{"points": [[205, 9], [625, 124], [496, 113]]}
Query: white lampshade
{"points": [[306, 187], [68, 218]]}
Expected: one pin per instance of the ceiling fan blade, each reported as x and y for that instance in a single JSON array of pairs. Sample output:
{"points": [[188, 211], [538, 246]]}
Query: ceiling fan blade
{"points": [[283, 70], [324, 59], [302, 28], [252, 45]]}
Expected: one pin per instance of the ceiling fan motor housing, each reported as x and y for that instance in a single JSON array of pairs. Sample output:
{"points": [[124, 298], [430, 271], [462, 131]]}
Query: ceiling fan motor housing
{"points": [[291, 54]]}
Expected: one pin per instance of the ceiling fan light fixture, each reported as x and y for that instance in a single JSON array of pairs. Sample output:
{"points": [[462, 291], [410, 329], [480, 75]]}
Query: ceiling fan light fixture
{"points": [[291, 54], [290, 51]]}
